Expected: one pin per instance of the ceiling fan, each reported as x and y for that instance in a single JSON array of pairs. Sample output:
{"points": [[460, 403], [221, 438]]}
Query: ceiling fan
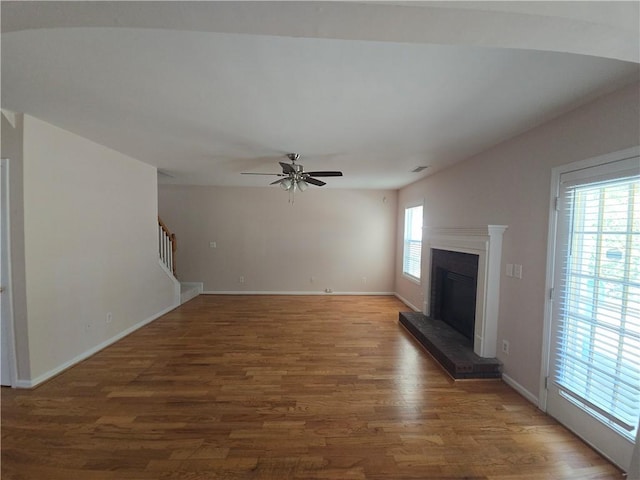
{"points": [[295, 178]]}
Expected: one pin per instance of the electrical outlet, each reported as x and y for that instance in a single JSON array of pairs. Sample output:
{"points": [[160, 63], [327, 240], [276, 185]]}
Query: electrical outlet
{"points": [[109, 317], [212, 245], [328, 290], [364, 280], [312, 279], [505, 347], [241, 279]]}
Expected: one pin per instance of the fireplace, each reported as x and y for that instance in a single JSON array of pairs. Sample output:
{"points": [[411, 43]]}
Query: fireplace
{"points": [[454, 279], [485, 245]]}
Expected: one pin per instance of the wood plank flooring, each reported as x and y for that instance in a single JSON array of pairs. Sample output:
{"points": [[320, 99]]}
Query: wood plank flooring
{"points": [[278, 387]]}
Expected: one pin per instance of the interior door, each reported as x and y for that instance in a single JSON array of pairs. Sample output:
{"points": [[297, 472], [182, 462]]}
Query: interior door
{"points": [[593, 385]]}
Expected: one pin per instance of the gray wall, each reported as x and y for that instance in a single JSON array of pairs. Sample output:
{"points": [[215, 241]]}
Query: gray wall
{"points": [[344, 239]]}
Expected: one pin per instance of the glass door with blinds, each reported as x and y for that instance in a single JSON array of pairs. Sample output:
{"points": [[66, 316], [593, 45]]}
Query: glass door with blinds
{"points": [[593, 383]]}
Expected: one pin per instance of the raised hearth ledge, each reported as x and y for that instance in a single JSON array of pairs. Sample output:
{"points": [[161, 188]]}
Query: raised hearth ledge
{"points": [[486, 242]]}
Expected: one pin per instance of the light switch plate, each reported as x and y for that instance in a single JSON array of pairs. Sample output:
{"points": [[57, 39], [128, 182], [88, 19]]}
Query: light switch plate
{"points": [[517, 270], [509, 271]]}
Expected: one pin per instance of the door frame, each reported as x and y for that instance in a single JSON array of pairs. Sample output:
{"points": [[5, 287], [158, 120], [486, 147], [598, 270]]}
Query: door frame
{"points": [[556, 172], [7, 297]]}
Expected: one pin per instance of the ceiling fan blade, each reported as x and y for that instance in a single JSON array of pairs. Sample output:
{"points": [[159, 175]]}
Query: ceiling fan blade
{"points": [[252, 173], [314, 181], [286, 168], [325, 174], [276, 182]]}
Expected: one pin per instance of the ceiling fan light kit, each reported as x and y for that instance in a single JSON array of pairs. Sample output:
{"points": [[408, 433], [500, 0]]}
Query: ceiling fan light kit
{"points": [[295, 178], [285, 183]]}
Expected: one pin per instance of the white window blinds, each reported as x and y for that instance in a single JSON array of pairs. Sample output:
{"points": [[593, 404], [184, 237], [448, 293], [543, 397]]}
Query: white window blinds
{"points": [[598, 346], [412, 254]]}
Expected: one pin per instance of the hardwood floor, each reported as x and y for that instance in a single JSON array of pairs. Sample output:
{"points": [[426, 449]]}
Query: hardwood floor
{"points": [[276, 387]]}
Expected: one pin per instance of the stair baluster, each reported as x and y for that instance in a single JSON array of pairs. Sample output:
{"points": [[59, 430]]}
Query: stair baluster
{"points": [[167, 246]]}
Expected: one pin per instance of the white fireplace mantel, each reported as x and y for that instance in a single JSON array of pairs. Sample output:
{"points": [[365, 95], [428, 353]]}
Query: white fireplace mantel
{"points": [[486, 242]]}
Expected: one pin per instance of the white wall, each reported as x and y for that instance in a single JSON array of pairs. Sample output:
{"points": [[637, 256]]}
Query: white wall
{"points": [[336, 236], [510, 185], [90, 243]]}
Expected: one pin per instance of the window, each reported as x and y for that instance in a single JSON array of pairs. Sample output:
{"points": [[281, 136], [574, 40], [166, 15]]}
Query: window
{"points": [[412, 255], [599, 329]]}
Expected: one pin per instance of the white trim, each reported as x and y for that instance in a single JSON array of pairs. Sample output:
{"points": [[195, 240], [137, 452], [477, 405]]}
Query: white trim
{"points": [[191, 290], [548, 285], [6, 241], [408, 276], [625, 154], [556, 172], [92, 351], [411, 278], [225, 292], [520, 389], [407, 302], [486, 242], [177, 294]]}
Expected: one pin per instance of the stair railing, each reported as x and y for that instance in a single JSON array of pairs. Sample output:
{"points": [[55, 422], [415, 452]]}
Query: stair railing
{"points": [[167, 246]]}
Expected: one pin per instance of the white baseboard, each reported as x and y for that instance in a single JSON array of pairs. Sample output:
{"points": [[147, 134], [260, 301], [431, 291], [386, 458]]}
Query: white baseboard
{"points": [[407, 302], [520, 389], [244, 292], [92, 351]]}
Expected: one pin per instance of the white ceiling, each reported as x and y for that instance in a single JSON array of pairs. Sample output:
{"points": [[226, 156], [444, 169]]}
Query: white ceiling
{"points": [[207, 90]]}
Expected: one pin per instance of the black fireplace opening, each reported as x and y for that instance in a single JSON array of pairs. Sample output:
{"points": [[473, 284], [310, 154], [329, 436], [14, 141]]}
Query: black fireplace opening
{"points": [[454, 278]]}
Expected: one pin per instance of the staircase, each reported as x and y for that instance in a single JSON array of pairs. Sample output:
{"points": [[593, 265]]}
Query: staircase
{"points": [[167, 246]]}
